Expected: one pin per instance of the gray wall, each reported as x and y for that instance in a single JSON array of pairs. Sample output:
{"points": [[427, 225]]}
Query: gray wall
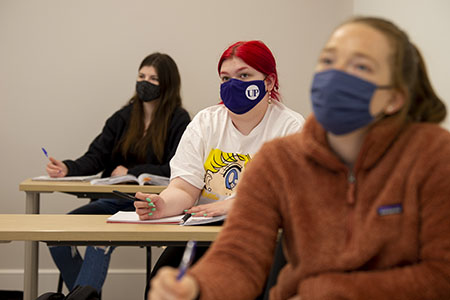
{"points": [[66, 66]]}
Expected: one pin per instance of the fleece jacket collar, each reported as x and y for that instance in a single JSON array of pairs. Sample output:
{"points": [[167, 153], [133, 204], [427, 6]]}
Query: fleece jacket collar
{"points": [[378, 140]]}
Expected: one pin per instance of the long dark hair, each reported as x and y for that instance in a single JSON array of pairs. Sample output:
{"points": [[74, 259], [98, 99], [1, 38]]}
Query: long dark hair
{"points": [[170, 83], [409, 74]]}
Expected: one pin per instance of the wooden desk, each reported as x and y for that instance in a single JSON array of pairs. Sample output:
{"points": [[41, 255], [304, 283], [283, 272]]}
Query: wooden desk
{"points": [[33, 189], [90, 229]]}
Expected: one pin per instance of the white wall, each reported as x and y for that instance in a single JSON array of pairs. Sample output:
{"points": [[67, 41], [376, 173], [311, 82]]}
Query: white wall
{"points": [[65, 66], [427, 24]]}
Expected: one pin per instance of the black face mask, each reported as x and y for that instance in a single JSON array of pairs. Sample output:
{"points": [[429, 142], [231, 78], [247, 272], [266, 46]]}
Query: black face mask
{"points": [[147, 91]]}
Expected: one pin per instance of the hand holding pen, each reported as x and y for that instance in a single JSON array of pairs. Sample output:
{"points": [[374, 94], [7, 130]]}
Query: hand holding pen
{"points": [[170, 283], [149, 206], [55, 168]]}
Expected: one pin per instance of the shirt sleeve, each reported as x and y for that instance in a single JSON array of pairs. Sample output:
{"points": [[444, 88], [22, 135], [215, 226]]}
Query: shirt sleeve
{"points": [[188, 160], [100, 150]]}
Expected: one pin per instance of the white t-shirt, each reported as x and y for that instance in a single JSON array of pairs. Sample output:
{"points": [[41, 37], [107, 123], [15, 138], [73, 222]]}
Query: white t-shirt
{"points": [[212, 153]]}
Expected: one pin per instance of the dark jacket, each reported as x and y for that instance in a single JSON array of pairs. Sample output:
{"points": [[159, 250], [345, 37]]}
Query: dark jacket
{"points": [[102, 157]]}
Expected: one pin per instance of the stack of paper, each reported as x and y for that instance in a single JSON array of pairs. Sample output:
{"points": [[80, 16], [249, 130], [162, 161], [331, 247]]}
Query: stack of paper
{"points": [[133, 217]]}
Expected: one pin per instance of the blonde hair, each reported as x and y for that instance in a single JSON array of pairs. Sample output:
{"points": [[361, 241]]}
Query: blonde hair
{"points": [[218, 159]]}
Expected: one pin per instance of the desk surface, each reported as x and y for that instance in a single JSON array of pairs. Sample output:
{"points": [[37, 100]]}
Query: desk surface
{"points": [[29, 227], [29, 185]]}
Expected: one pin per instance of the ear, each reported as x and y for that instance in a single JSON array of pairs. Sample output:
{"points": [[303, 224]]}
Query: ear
{"points": [[395, 103], [270, 82]]}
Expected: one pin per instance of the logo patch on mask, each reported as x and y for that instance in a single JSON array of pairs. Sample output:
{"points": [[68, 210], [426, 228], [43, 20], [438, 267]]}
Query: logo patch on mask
{"points": [[252, 92]]}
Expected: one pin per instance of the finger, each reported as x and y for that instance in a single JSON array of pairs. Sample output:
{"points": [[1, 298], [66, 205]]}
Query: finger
{"points": [[56, 175], [142, 196], [53, 172], [215, 214], [48, 170], [55, 161], [200, 214], [53, 166], [140, 204], [196, 209], [157, 285], [168, 281], [159, 290], [146, 209], [143, 214], [159, 294], [148, 213], [166, 286]]}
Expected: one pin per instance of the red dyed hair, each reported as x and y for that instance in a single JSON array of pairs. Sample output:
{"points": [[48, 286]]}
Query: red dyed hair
{"points": [[258, 56]]}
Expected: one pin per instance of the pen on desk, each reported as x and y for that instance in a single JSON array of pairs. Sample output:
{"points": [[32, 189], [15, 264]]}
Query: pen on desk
{"points": [[187, 259], [185, 218]]}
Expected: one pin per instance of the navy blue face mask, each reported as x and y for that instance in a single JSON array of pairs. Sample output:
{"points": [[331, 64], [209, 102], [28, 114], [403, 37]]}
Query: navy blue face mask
{"points": [[241, 96], [341, 101]]}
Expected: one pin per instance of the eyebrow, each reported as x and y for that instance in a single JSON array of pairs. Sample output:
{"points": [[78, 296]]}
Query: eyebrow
{"points": [[237, 71], [151, 76], [357, 54]]}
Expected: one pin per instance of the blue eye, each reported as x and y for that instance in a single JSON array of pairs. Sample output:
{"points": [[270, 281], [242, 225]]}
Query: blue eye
{"points": [[326, 61], [362, 67]]}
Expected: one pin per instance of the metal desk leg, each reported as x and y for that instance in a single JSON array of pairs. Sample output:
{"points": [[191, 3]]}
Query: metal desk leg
{"points": [[31, 252]]}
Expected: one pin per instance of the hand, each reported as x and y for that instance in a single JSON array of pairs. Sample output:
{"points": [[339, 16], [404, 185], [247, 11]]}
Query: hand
{"points": [[218, 208], [165, 286], [119, 171], [151, 208], [296, 297], [56, 168]]}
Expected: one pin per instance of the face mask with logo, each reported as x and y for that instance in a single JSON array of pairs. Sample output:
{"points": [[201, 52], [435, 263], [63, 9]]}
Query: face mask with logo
{"points": [[147, 91], [341, 101], [241, 96]]}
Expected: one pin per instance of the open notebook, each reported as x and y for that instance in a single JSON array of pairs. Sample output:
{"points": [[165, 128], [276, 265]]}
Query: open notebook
{"points": [[132, 217], [66, 178]]}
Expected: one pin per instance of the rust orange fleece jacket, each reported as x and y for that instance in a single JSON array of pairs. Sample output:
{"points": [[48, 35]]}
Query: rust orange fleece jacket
{"points": [[385, 235]]}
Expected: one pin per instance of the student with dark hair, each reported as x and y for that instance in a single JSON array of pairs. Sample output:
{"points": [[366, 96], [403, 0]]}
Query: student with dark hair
{"points": [[140, 138], [361, 193]]}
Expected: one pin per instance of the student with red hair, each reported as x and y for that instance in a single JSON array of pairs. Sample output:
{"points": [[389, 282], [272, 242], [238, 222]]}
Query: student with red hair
{"points": [[221, 139]]}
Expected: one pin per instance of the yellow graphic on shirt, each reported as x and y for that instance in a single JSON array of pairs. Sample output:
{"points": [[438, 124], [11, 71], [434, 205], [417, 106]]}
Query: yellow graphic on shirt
{"points": [[222, 172]]}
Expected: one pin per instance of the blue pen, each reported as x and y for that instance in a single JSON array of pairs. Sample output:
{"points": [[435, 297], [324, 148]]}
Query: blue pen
{"points": [[45, 152], [187, 259]]}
